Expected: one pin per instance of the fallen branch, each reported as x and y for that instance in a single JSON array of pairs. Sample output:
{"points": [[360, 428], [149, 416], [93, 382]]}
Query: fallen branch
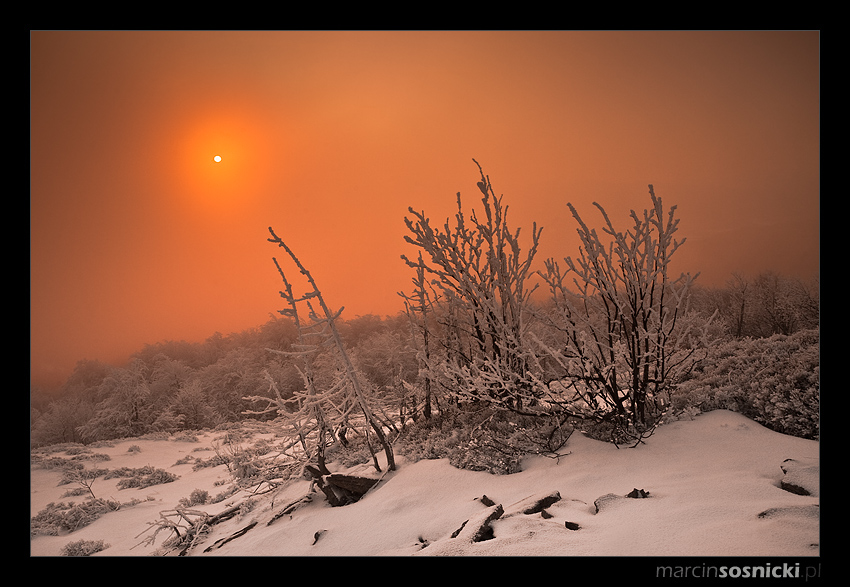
{"points": [[222, 541], [193, 523], [291, 507]]}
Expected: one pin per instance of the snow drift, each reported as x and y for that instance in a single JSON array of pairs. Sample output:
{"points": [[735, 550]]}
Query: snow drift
{"points": [[717, 485]]}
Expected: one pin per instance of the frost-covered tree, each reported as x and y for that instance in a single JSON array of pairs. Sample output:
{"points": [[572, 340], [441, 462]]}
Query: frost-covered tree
{"points": [[623, 337], [480, 271], [127, 409], [763, 305], [316, 409], [304, 410], [782, 305], [191, 405], [418, 307], [61, 421]]}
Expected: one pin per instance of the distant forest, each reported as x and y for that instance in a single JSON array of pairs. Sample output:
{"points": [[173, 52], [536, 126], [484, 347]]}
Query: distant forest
{"points": [[175, 385]]}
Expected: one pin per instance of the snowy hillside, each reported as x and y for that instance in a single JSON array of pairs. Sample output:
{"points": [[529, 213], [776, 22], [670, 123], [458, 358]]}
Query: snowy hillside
{"points": [[713, 487]]}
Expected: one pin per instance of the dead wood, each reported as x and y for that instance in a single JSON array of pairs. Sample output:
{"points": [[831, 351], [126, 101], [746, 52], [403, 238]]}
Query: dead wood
{"points": [[533, 504], [339, 489], [291, 507], [221, 542]]}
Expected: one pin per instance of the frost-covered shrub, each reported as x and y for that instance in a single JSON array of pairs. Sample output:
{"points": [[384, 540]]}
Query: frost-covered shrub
{"points": [[63, 517], [774, 381], [262, 447], [142, 477], [225, 494], [77, 450], [489, 440], [246, 507], [197, 497], [213, 461], [76, 492], [83, 547], [75, 473]]}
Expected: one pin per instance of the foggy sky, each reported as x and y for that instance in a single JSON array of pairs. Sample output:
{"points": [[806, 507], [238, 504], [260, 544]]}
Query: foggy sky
{"points": [[138, 236]]}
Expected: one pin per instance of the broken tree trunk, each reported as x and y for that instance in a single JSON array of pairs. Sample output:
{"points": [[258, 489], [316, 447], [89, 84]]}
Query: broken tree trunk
{"points": [[341, 489]]}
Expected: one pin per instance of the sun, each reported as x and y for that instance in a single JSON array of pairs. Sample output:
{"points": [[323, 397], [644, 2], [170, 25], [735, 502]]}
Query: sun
{"points": [[217, 158]]}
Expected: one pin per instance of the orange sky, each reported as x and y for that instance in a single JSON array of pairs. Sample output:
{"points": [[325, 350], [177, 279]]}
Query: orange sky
{"points": [[137, 236]]}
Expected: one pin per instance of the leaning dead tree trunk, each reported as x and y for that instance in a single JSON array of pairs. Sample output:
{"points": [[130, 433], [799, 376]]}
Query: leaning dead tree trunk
{"points": [[352, 380], [304, 411]]}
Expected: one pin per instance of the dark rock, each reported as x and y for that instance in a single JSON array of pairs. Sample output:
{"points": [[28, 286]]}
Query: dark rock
{"points": [[457, 532], [791, 488], [354, 484], [571, 526], [638, 493], [487, 501]]}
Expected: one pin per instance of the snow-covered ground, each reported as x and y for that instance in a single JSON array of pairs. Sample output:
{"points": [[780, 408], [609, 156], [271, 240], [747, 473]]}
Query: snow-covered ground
{"points": [[708, 479]]}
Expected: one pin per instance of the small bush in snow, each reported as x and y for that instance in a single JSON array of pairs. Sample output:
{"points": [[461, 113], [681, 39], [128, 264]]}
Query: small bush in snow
{"points": [[213, 461], [83, 547], [141, 477], [77, 450], [197, 497], [489, 440], [224, 494], [63, 517]]}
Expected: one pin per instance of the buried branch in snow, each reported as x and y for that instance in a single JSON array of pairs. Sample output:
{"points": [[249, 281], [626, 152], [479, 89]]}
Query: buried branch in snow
{"points": [[479, 528], [800, 478]]}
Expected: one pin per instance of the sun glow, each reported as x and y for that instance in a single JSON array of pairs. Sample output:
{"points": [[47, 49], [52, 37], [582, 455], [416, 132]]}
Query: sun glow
{"points": [[217, 158]]}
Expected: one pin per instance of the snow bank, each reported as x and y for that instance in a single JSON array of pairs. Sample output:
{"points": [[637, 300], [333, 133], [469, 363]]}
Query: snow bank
{"points": [[708, 480]]}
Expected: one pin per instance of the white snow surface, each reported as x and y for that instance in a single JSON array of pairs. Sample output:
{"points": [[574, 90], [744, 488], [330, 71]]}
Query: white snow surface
{"points": [[708, 480]]}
